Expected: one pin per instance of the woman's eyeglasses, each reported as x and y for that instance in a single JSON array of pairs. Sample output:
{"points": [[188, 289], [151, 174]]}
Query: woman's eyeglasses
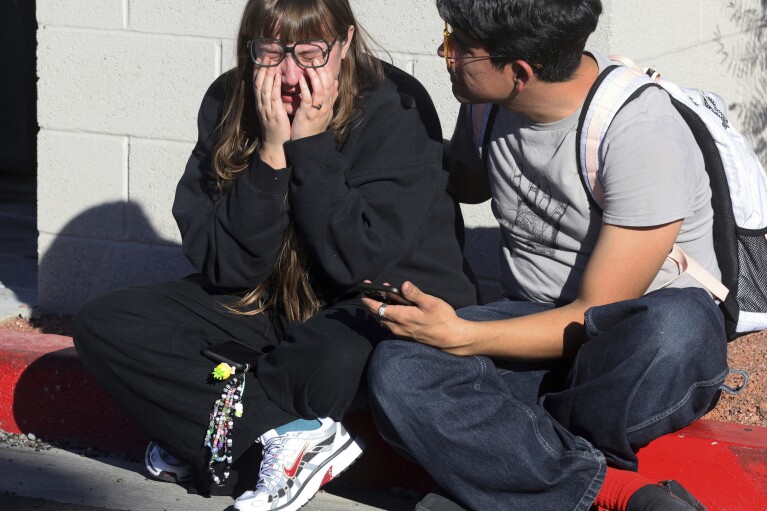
{"points": [[307, 53]]}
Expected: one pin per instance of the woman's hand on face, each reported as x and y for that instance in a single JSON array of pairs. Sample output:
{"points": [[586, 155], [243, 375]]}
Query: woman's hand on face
{"points": [[316, 109], [430, 320], [275, 124]]}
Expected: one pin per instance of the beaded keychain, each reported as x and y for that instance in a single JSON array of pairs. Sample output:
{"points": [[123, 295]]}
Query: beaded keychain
{"points": [[219, 436]]}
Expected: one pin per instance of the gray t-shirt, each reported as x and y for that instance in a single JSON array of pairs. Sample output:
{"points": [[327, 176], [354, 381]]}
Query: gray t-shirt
{"points": [[653, 174]]}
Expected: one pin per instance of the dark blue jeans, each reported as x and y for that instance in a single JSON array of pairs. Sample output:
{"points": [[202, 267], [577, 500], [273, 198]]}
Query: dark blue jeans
{"points": [[538, 436]]}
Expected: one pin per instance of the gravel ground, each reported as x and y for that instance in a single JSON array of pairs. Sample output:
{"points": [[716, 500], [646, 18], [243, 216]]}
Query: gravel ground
{"points": [[748, 353], [750, 406], [30, 440]]}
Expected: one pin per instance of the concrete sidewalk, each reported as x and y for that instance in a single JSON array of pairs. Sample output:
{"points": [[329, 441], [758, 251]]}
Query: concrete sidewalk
{"points": [[61, 476]]}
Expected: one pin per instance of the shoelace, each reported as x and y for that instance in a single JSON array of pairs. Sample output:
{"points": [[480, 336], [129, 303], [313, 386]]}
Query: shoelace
{"points": [[271, 474]]}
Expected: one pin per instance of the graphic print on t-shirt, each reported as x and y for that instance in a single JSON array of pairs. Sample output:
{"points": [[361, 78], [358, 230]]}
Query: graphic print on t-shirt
{"points": [[536, 216]]}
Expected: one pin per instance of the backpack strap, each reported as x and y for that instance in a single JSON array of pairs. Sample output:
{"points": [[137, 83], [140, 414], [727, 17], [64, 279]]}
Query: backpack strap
{"points": [[615, 87], [686, 264], [652, 73]]}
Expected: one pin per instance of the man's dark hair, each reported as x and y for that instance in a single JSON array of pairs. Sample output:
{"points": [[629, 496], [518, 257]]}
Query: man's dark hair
{"points": [[551, 33]]}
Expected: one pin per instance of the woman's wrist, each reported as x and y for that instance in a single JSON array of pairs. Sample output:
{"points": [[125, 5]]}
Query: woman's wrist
{"points": [[273, 155]]}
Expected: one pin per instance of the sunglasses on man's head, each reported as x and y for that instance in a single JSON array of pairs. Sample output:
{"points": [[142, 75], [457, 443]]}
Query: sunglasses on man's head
{"points": [[447, 50]]}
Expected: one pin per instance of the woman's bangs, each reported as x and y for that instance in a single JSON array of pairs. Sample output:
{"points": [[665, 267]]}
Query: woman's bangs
{"points": [[294, 20]]}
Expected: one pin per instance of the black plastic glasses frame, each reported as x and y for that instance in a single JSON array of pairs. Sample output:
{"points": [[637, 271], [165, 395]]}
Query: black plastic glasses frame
{"points": [[290, 50], [446, 51]]}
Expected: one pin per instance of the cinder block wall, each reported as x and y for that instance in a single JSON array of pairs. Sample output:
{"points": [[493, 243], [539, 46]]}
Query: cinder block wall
{"points": [[120, 82]]}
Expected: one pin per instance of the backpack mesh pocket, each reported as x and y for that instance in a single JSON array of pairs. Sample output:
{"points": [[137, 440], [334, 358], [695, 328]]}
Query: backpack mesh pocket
{"points": [[752, 278]]}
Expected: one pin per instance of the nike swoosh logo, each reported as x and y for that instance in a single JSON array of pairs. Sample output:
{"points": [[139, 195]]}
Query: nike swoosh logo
{"points": [[291, 472]]}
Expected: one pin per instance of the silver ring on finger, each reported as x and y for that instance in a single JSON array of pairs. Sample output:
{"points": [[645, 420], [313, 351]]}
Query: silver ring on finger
{"points": [[382, 310], [317, 107]]}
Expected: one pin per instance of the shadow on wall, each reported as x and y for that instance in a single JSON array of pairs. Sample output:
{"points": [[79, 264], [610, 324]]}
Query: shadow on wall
{"points": [[106, 247], [88, 258], [746, 58]]}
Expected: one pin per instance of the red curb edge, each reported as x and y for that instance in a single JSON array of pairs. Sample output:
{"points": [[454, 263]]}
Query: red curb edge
{"points": [[45, 390]]}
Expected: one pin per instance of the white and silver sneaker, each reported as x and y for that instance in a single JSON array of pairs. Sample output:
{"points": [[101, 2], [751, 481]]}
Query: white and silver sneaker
{"points": [[163, 466], [297, 464]]}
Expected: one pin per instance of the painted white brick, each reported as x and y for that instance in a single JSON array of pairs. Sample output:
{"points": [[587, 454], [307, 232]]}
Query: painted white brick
{"points": [[105, 14], [404, 61], [155, 168], [121, 83], [74, 270], [478, 215], [655, 26], [228, 55], [413, 26], [80, 184], [207, 18], [681, 43], [601, 38]]}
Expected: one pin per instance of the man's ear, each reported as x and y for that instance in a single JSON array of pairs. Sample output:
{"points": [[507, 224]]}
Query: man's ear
{"points": [[523, 73]]}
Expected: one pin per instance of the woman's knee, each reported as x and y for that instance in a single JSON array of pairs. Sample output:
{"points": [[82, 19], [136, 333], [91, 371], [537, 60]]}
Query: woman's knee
{"points": [[110, 318], [315, 377], [95, 316], [340, 369]]}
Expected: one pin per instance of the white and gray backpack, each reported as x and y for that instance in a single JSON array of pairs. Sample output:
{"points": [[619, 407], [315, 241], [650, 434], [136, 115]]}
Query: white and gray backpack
{"points": [[737, 180]]}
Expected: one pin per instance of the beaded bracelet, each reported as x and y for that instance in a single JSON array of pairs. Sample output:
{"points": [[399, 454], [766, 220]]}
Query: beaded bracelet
{"points": [[219, 435]]}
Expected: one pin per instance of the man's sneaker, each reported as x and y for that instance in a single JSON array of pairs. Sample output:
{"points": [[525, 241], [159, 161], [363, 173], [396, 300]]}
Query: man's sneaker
{"points": [[436, 502], [163, 466], [664, 496], [297, 464]]}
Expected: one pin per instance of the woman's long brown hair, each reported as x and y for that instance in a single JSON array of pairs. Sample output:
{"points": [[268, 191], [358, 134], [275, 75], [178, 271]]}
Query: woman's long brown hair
{"points": [[289, 286]]}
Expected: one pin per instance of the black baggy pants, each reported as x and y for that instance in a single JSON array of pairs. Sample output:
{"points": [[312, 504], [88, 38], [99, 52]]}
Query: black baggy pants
{"points": [[142, 344]]}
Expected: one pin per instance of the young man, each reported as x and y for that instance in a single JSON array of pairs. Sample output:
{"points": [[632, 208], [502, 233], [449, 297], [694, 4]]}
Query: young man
{"points": [[539, 401]]}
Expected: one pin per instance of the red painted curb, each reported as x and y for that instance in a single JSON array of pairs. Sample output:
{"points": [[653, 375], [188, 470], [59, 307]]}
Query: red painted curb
{"points": [[45, 390], [723, 464]]}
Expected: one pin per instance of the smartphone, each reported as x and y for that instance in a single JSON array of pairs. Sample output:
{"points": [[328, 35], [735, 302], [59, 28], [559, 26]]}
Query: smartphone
{"points": [[384, 293], [238, 355]]}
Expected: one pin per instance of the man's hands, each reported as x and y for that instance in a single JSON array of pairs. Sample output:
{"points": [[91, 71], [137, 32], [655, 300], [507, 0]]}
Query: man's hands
{"points": [[622, 266], [430, 320], [313, 115]]}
